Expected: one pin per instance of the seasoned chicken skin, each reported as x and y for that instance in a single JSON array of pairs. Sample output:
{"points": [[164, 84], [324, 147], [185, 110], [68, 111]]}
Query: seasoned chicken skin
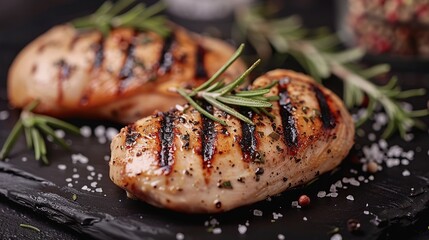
{"points": [[123, 76], [183, 161]]}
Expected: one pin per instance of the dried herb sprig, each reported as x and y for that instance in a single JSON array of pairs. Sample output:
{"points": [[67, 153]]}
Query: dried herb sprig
{"points": [[222, 96], [318, 53], [34, 126], [122, 14]]}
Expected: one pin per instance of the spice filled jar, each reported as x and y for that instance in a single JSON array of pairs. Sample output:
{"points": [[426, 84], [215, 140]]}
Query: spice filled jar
{"points": [[398, 29]]}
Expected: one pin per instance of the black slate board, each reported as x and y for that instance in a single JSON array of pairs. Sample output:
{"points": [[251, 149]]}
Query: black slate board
{"points": [[38, 195]]}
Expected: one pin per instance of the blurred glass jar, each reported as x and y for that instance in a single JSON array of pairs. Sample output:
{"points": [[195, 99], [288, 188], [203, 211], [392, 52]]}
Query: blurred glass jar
{"points": [[204, 9], [397, 28]]}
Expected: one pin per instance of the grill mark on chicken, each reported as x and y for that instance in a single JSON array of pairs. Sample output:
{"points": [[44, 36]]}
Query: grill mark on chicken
{"points": [[200, 69], [99, 53], [208, 138], [64, 72], [131, 136], [126, 72], [326, 115], [166, 135], [290, 132], [166, 58], [248, 140]]}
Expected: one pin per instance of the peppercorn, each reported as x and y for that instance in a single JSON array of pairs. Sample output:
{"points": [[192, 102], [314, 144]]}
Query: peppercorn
{"points": [[304, 200]]}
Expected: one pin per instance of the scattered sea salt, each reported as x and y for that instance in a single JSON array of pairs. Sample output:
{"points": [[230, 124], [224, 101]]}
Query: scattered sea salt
{"points": [[366, 212], [62, 166], [99, 131], [90, 168], [60, 133], [4, 115], [85, 187], [69, 185], [304, 218], [277, 215], [75, 175], [99, 190], [111, 133], [406, 173], [217, 230], [281, 237], [106, 158], [372, 137], [242, 229], [336, 236], [102, 140], [68, 179], [350, 197], [180, 236], [94, 184], [333, 195], [257, 212], [321, 194], [86, 131], [24, 159], [79, 158]]}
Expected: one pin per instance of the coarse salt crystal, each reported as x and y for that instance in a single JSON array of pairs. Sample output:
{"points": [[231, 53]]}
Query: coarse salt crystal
{"points": [[242, 229], [333, 195], [99, 131], [62, 166], [94, 184], [350, 197], [280, 236], [405, 162], [371, 177], [111, 133], [366, 212], [90, 168], [321, 194], [4, 115], [277, 215], [68, 179], [257, 212], [69, 185], [60, 133], [361, 178], [106, 157], [406, 173], [79, 158], [102, 140], [90, 178], [217, 230], [180, 236], [99, 190], [304, 218], [75, 175], [85, 187], [336, 236], [24, 159], [85, 131], [371, 137]]}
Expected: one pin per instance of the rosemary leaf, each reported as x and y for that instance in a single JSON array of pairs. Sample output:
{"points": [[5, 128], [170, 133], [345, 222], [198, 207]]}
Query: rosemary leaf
{"points": [[36, 143], [11, 139], [227, 109], [58, 123], [231, 86], [28, 138], [199, 108], [246, 102], [219, 72], [49, 131], [252, 93]]}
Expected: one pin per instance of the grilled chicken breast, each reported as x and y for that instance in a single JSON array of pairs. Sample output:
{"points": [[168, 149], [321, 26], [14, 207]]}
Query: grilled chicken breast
{"points": [[186, 162], [123, 76]]}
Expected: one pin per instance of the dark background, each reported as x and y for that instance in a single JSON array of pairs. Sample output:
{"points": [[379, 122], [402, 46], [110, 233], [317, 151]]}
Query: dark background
{"points": [[23, 20]]}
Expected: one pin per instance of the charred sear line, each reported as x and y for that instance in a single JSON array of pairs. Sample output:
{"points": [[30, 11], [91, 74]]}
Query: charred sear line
{"points": [[99, 53], [166, 59], [208, 138], [200, 70], [64, 73], [326, 115], [131, 136], [248, 140], [166, 134], [127, 68], [290, 131]]}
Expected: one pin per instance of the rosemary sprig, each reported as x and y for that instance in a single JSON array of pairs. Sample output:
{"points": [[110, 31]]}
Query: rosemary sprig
{"points": [[122, 14], [318, 55], [33, 124], [222, 96]]}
